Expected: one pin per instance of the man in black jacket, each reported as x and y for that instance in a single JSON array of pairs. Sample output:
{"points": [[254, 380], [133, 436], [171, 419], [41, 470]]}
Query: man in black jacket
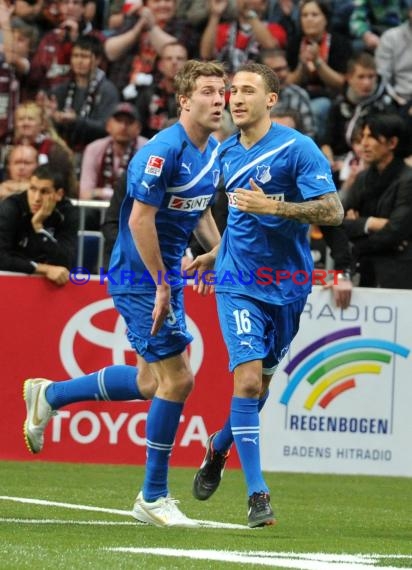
{"points": [[378, 206], [38, 229]]}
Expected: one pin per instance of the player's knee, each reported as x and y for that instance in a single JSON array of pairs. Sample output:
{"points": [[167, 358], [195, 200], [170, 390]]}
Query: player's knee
{"points": [[179, 387], [185, 384], [248, 385]]}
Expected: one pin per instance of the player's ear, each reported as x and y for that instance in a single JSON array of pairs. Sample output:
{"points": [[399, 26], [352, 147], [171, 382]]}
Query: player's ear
{"points": [[272, 99], [184, 102], [59, 195]]}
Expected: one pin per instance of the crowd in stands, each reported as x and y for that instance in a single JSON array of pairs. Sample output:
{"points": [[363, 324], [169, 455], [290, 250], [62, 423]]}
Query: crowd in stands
{"points": [[85, 83]]}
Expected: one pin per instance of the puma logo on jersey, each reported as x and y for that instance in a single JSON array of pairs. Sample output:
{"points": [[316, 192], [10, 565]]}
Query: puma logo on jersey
{"points": [[322, 177], [146, 185], [246, 343], [250, 439], [187, 166]]}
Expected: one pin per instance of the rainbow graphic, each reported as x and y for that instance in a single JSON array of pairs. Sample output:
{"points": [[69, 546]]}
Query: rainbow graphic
{"points": [[331, 370]]}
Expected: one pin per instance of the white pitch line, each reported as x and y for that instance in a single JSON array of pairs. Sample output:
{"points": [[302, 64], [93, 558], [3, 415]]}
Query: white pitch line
{"points": [[69, 522], [302, 561], [65, 505], [202, 523]]}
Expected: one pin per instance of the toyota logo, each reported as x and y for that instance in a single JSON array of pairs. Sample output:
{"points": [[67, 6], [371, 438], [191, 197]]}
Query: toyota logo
{"points": [[115, 340]]}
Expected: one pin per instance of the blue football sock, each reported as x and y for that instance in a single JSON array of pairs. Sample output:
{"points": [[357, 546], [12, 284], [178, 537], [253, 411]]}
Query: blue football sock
{"points": [[161, 427], [224, 437], [111, 383], [244, 419]]}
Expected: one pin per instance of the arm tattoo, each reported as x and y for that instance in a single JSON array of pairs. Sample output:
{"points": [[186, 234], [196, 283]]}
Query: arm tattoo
{"points": [[325, 210]]}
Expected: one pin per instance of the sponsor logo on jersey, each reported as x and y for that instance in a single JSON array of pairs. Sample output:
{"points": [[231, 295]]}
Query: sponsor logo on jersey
{"points": [[199, 203], [232, 198], [154, 165], [279, 197]]}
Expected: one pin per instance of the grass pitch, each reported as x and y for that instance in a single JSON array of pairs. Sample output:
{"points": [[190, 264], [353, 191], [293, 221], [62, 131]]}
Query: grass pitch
{"points": [[364, 522]]}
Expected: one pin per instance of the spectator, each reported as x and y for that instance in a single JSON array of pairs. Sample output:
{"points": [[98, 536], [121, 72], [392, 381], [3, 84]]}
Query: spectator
{"points": [[134, 49], [378, 207], [341, 11], [25, 39], [21, 161], [51, 61], [84, 102], [393, 58], [105, 159], [364, 93], [16, 43], [33, 127], [288, 117], [157, 102], [286, 14], [291, 96], [29, 11], [104, 162], [318, 60], [196, 12], [38, 228], [352, 162], [370, 18], [239, 40]]}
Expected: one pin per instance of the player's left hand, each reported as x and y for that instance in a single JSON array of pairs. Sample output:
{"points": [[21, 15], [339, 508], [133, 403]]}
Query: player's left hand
{"points": [[202, 267], [255, 201], [341, 291]]}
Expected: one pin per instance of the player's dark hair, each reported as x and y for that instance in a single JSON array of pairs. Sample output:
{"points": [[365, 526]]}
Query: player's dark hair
{"points": [[268, 75]]}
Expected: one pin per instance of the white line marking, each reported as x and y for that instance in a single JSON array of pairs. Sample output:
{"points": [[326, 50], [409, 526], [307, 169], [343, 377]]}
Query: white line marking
{"points": [[65, 505], [202, 523], [301, 561], [297, 561], [61, 521]]}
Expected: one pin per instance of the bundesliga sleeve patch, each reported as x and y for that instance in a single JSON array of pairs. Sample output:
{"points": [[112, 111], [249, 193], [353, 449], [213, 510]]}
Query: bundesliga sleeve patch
{"points": [[154, 165]]}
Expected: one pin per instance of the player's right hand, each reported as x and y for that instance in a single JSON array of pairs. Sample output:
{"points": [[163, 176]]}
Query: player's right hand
{"points": [[161, 308]]}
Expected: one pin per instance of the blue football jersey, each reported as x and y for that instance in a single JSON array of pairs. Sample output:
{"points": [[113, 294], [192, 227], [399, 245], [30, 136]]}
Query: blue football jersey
{"points": [[172, 174], [268, 257]]}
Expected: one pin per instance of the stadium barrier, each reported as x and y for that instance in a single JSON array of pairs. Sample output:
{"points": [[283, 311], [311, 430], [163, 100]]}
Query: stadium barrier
{"points": [[83, 234], [340, 402]]}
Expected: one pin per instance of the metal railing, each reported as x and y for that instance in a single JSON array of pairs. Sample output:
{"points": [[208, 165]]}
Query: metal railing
{"points": [[82, 233]]}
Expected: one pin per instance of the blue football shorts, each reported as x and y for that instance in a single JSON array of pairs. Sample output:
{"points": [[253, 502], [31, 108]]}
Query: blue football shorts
{"points": [[172, 338], [255, 330]]}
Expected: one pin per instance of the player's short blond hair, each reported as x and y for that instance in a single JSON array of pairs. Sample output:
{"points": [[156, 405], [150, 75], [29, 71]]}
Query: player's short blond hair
{"points": [[185, 80]]}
